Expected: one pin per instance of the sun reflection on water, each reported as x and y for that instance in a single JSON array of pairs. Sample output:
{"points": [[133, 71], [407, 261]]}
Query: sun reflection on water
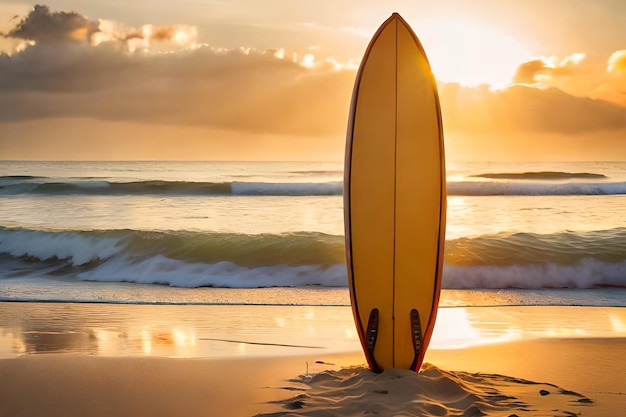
{"points": [[146, 339], [618, 323], [457, 328], [231, 331]]}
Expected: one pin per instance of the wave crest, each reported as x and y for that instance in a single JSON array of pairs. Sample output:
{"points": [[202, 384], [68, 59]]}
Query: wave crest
{"points": [[334, 188], [33, 185], [492, 188], [539, 175], [195, 259]]}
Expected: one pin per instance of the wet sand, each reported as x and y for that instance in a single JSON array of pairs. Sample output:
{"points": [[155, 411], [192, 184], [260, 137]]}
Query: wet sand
{"points": [[574, 363]]}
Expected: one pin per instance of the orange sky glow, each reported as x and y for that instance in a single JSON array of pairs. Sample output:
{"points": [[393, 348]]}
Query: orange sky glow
{"points": [[249, 80]]}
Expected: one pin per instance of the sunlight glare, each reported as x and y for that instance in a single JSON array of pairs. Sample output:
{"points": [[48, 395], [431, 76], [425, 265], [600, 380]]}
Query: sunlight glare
{"points": [[181, 36], [470, 54], [146, 339], [453, 330], [308, 61], [617, 323], [280, 322], [180, 338], [185, 35]]}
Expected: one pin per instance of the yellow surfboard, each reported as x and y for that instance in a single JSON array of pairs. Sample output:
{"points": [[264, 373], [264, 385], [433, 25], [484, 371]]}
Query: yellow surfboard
{"points": [[395, 199]]}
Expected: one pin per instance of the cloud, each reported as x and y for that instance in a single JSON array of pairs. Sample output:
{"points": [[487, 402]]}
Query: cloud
{"points": [[236, 89], [201, 85], [613, 85], [527, 71], [533, 72], [578, 76], [527, 109], [43, 26], [159, 80], [617, 61], [145, 38], [527, 123]]}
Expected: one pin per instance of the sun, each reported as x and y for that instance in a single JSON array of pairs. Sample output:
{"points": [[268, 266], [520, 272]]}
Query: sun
{"points": [[469, 53]]}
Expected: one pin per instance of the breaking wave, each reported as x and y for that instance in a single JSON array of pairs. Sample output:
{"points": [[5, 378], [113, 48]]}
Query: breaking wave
{"points": [[492, 188], [16, 185], [197, 259], [540, 175], [12, 185]]}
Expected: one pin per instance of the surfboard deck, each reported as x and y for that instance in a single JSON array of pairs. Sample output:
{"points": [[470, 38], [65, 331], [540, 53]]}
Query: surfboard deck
{"points": [[394, 199]]}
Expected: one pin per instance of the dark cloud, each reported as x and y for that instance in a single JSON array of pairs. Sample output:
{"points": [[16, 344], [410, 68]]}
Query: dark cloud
{"points": [[527, 109], [526, 72], [42, 25], [552, 110], [236, 89]]}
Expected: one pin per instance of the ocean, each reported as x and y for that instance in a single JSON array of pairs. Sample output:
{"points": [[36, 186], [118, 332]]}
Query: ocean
{"points": [[271, 233]]}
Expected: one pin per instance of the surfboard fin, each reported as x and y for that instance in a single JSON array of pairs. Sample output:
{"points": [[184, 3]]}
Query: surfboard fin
{"points": [[371, 335], [416, 333]]}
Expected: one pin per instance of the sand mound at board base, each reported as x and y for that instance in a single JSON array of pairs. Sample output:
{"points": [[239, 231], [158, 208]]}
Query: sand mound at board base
{"points": [[433, 392]]}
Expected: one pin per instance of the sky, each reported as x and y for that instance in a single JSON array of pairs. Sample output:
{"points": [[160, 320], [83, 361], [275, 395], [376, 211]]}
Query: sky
{"points": [[533, 80]]}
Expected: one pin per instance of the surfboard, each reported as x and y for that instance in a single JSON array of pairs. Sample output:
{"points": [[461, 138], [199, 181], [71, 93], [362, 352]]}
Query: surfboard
{"points": [[394, 199]]}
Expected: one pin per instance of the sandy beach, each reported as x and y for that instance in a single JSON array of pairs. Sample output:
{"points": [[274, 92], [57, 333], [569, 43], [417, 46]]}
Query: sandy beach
{"points": [[578, 370], [194, 196]]}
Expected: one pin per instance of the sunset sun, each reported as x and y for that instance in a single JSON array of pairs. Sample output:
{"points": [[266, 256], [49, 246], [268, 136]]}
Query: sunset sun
{"points": [[471, 54]]}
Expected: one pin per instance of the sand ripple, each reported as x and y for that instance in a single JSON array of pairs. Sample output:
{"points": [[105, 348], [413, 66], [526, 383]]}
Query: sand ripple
{"points": [[356, 391]]}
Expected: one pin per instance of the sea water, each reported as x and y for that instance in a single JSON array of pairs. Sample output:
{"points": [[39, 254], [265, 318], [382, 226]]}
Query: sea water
{"points": [[272, 233]]}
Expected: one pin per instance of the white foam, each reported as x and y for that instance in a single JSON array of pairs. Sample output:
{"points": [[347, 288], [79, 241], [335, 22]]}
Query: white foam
{"points": [[588, 273], [287, 189], [78, 249], [484, 188], [117, 264], [163, 270]]}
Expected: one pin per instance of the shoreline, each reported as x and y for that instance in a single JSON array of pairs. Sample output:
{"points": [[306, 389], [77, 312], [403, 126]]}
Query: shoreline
{"points": [[66, 290]]}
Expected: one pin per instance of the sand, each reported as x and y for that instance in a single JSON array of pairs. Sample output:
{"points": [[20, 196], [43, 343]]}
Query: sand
{"points": [[552, 376], [540, 377], [76, 385], [432, 392]]}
